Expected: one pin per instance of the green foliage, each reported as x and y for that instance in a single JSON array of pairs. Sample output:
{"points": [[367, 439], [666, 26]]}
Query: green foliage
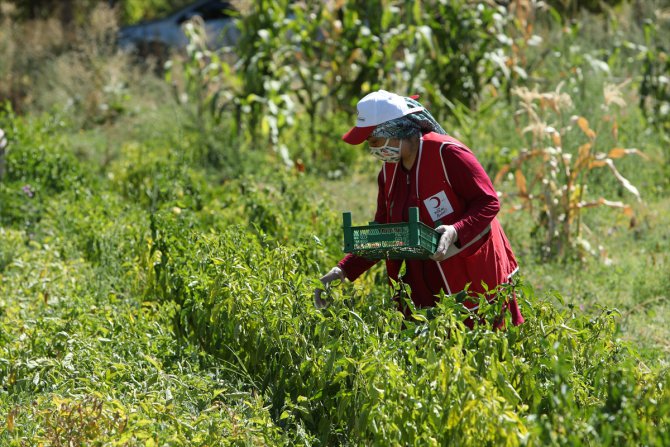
{"points": [[132, 11], [261, 45], [38, 157], [156, 177], [38, 165], [156, 288], [572, 8], [458, 39], [76, 367], [318, 60], [10, 242]]}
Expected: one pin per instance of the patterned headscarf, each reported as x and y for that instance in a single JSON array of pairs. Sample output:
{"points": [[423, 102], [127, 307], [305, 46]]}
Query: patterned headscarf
{"points": [[409, 125]]}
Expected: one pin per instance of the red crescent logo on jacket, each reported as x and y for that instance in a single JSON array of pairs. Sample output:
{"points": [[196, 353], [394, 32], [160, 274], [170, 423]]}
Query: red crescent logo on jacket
{"points": [[438, 206]]}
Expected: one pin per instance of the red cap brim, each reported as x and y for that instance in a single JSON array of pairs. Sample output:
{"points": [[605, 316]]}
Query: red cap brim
{"points": [[357, 135]]}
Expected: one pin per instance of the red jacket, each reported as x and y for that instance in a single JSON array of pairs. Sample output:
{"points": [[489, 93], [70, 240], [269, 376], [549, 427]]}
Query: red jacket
{"points": [[449, 187]]}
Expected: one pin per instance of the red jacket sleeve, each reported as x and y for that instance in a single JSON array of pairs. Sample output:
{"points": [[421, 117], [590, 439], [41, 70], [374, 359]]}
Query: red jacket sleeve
{"points": [[471, 183], [354, 266]]}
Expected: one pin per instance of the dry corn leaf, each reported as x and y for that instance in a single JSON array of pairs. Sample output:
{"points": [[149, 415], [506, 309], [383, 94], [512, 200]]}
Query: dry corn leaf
{"points": [[624, 182], [613, 94], [537, 128], [503, 170], [601, 202], [521, 182], [544, 102], [589, 204], [584, 150], [597, 164], [612, 204], [619, 152], [626, 209], [583, 154], [556, 139], [583, 124]]}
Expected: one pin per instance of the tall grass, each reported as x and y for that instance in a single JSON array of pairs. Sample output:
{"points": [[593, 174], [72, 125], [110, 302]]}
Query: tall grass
{"points": [[75, 69]]}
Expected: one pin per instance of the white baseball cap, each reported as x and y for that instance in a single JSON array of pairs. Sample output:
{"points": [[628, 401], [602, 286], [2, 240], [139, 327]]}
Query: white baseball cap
{"points": [[374, 109]]}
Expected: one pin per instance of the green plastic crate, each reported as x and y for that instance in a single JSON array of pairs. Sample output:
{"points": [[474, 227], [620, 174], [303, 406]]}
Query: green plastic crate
{"points": [[404, 240]]}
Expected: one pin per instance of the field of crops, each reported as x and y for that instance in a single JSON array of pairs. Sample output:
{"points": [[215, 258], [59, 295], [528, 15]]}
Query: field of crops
{"points": [[161, 236]]}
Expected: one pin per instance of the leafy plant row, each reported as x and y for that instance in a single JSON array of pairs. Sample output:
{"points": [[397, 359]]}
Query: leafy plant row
{"points": [[357, 373]]}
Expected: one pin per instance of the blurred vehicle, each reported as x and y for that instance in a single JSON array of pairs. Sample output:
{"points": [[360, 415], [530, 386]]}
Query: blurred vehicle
{"points": [[161, 35]]}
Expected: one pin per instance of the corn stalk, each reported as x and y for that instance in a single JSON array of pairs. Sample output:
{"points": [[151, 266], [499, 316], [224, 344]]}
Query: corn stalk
{"points": [[552, 178]]}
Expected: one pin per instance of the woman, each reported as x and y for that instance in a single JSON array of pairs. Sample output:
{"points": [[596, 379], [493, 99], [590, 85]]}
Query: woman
{"points": [[425, 168]]}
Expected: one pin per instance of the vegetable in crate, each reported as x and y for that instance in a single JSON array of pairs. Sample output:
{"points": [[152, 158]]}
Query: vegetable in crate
{"points": [[425, 168]]}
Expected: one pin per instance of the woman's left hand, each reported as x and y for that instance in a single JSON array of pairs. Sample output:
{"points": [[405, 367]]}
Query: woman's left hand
{"points": [[449, 236]]}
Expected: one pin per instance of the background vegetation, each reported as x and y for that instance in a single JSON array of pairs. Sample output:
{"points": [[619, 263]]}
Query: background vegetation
{"points": [[162, 227]]}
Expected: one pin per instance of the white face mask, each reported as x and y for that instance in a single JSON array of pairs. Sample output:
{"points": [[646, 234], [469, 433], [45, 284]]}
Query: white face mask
{"points": [[386, 153]]}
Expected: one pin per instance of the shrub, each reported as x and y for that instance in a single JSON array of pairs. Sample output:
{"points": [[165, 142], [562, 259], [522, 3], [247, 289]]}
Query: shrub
{"points": [[39, 166], [37, 155], [153, 177]]}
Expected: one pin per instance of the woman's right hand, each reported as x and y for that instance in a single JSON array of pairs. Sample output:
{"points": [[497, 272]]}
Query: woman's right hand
{"points": [[334, 274]]}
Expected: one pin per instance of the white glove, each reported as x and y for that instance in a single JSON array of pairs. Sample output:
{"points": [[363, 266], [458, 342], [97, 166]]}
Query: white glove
{"points": [[447, 239], [334, 274]]}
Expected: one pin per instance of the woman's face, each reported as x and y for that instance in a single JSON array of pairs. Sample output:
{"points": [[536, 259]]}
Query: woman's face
{"points": [[386, 149]]}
